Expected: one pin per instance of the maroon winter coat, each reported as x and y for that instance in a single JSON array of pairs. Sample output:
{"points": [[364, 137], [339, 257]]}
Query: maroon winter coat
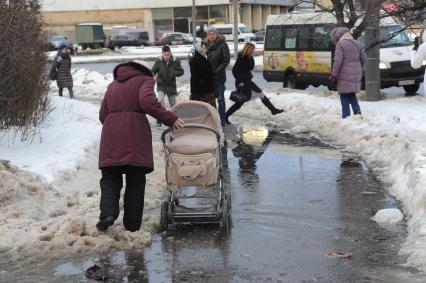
{"points": [[349, 62], [126, 134]]}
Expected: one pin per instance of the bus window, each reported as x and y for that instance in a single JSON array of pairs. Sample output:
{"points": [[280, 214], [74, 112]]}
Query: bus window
{"points": [[304, 41], [290, 37], [274, 34], [321, 38]]}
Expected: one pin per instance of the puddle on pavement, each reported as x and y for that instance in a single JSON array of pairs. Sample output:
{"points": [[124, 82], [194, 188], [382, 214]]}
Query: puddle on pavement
{"points": [[294, 199]]}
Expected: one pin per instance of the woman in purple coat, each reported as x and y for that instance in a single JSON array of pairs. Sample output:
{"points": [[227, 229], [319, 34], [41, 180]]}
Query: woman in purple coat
{"points": [[126, 142], [348, 66]]}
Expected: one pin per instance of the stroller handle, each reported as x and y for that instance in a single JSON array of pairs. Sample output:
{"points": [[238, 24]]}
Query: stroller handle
{"points": [[191, 126]]}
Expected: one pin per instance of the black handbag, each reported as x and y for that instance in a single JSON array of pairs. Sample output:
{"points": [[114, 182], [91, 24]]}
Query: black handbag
{"points": [[53, 74], [238, 96]]}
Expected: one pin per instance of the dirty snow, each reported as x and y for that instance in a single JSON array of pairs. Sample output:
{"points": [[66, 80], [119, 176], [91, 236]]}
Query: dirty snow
{"points": [[388, 216], [49, 189]]}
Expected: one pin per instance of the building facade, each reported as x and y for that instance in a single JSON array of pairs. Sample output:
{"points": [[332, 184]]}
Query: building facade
{"points": [[160, 15]]}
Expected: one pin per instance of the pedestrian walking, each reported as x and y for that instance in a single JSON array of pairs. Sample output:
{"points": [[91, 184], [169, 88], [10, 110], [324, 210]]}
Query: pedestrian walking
{"points": [[165, 70], [219, 57], [126, 142], [348, 66], [418, 56], [62, 64], [244, 84], [201, 76]]}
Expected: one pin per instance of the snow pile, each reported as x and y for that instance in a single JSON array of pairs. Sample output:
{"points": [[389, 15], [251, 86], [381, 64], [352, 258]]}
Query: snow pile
{"points": [[390, 137], [388, 216], [52, 207], [70, 128], [59, 219], [87, 84]]}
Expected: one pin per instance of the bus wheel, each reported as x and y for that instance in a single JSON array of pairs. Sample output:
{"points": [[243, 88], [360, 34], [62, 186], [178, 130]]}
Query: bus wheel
{"points": [[411, 89], [291, 82]]}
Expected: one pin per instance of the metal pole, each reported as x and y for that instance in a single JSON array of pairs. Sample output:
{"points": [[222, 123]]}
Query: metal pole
{"points": [[372, 34], [194, 23], [235, 28]]}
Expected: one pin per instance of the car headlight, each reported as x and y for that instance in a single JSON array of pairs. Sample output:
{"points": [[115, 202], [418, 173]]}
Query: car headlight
{"points": [[383, 66]]}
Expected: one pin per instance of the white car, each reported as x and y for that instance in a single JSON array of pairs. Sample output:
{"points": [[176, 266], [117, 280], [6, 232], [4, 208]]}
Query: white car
{"points": [[244, 33]]}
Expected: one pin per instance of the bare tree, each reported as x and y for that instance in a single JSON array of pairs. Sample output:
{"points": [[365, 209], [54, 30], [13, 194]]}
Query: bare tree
{"points": [[23, 83], [355, 14]]}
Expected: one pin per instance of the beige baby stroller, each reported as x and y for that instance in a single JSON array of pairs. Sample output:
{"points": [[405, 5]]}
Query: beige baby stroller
{"points": [[194, 169]]}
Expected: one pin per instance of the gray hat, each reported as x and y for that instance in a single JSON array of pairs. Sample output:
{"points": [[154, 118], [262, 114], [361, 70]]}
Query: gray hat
{"points": [[211, 29]]}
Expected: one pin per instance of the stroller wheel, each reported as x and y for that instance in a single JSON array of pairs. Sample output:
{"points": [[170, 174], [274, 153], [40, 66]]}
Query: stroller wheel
{"points": [[164, 223], [225, 216], [229, 200]]}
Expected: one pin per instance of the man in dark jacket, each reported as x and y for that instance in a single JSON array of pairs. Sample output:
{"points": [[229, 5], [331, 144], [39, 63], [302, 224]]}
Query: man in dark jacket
{"points": [[219, 58], [165, 70], [126, 142]]}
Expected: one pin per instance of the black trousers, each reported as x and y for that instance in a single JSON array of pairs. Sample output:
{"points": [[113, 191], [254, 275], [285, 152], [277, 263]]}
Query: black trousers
{"points": [[70, 91], [111, 184]]}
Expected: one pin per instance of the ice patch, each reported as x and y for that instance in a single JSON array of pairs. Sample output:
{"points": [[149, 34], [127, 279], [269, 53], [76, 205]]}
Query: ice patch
{"points": [[388, 216]]}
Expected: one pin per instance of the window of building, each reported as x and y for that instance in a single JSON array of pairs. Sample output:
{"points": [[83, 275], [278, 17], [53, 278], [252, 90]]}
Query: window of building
{"points": [[202, 13], [162, 14], [182, 12], [162, 26], [219, 12]]}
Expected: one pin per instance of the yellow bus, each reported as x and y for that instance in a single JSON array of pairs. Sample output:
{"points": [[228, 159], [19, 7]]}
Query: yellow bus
{"points": [[298, 52]]}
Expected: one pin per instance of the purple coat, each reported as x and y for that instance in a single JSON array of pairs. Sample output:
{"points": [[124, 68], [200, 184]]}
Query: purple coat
{"points": [[349, 61], [126, 134]]}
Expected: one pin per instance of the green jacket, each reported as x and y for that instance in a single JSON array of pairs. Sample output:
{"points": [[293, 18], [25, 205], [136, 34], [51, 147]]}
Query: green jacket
{"points": [[167, 74]]}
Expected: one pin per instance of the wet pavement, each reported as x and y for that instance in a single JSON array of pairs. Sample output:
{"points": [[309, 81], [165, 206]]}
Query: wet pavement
{"points": [[294, 199]]}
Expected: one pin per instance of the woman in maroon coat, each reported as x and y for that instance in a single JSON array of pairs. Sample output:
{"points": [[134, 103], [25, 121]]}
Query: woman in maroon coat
{"points": [[126, 142]]}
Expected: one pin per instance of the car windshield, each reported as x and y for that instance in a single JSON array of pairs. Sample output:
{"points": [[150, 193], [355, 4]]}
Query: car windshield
{"points": [[185, 36], [244, 30], [400, 39], [58, 38]]}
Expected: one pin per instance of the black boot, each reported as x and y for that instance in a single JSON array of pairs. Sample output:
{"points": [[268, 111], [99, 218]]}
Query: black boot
{"points": [[71, 92], [268, 104], [104, 223], [231, 111]]}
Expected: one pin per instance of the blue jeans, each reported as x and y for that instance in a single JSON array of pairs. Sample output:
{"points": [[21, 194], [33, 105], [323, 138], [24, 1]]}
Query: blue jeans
{"points": [[349, 99], [221, 101]]}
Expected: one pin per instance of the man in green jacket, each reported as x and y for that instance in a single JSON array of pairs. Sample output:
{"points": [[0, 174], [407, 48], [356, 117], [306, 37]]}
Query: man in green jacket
{"points": [[165, 70]]}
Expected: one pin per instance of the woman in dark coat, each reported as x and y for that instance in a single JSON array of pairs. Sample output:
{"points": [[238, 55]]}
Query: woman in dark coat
{"points": [[243, 81], [201, 76], [126, 142], [63, 65]]}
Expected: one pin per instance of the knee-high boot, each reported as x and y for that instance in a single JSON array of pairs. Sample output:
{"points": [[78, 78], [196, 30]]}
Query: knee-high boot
{"points": [[231, 111], [270, 106]]}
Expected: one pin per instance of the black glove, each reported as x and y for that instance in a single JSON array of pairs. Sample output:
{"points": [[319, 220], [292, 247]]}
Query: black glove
{"points": [[416, 44]]}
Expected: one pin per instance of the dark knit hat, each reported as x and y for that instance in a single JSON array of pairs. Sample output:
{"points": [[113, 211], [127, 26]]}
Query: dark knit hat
{"points": [[166, 48]]}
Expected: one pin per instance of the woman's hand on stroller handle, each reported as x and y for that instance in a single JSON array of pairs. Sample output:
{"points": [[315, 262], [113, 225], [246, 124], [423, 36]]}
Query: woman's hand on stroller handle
{"points": [[179, 123]]}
